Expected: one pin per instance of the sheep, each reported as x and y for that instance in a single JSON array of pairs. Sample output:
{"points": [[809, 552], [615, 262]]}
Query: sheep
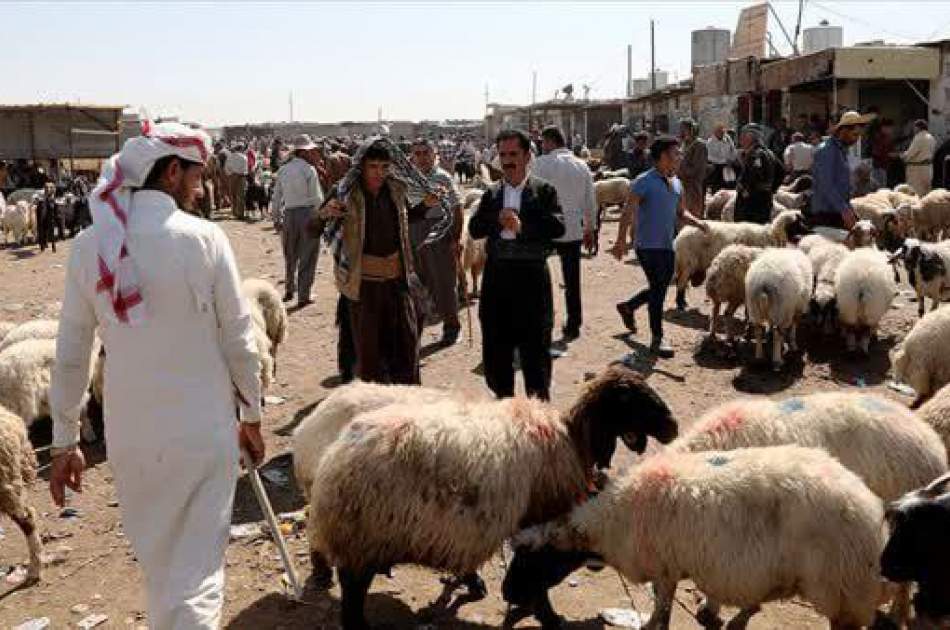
{"points": [[790, 200], [604, 173], [905, 189], [25, 376], [17, 470], [927, 267], [5, 328], [936, 413], [34, 329], [791, 521], [265, 349], [777, 291], [800, 184], [611, 192], [716, 204], [443, 484], [18, 223], [931, 215], [864, 290], [262, 295], [823, 305], [474, 256], [725, 284], [919, 360], [918, 550], [695, 249]]}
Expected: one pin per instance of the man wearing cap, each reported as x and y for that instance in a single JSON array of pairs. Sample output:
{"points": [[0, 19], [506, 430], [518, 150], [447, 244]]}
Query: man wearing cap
{"points": [[236, 168], [296, 194], [162, 289], [919, 159], [831, 175], [437, 263], [692, 168], [755, 185]]}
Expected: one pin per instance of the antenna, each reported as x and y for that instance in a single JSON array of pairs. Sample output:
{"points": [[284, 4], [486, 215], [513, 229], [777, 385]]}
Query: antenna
{"points": [[798, 23], [291, 101], [652, 59]]}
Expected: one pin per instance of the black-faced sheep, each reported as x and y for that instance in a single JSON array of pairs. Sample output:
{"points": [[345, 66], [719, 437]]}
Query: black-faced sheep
{"points": [[443, 484], [791, 521], [918, 550], [777, 289], [17, 470], [919, 360], [928, 269], [696, 249]]}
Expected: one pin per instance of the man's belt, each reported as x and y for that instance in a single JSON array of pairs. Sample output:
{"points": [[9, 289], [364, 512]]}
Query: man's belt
{"points": [[923, 163], [381, 268]]}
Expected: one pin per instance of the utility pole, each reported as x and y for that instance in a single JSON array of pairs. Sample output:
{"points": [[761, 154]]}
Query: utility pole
{"points": [[486, 97], [534, 95], [629, 69], [798, 23], [652, 59], [291, 101], [784, 32]]}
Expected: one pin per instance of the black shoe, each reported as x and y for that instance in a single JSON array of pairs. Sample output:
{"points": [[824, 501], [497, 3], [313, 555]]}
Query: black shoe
{"points": [[450, 336], [626, 314], [288, 296], [661, 349], [570, 334]]}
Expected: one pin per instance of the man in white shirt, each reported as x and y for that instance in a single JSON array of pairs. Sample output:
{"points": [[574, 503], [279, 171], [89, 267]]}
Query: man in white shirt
{"points": [[919, 159], [575, 191], [296, 194], [799, 156], [162, 290], [235, 166], [721, 154]]}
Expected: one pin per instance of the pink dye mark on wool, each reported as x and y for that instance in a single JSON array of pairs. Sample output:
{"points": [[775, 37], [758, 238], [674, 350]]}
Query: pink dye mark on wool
{"points": [[729, 420], [657, 473]]}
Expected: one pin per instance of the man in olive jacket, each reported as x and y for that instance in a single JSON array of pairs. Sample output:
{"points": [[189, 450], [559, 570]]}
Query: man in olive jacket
{"points": [[520, 217]]}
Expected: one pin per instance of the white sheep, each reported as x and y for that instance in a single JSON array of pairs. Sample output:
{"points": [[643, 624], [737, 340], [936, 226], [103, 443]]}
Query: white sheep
{"points": [[611, 192], [265, 297], [791, 201], [443, 484], [265, 349], [791, 521], [25, 376], [864, 290], [716, 204], [474, 257], [17, 470], [936, 413], [931, 214], [18, 222], [5, 328], [905, 189], [928, 269], [919, 359], [725, 284], [825, 259], [696, 249], [777, 290], [33, 329]]}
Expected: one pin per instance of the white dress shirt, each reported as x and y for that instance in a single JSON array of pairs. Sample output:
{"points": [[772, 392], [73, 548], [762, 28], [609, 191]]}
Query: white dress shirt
{"points": [[298, 186], [574, 184], [720, 151], [512, 199]]}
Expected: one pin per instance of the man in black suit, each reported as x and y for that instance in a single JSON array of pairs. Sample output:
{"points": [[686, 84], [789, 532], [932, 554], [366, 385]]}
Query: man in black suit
{"points": [[519, 216]]}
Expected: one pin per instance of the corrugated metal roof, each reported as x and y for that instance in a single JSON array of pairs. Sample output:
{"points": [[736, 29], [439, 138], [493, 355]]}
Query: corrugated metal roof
{"points": [[60, 106]]}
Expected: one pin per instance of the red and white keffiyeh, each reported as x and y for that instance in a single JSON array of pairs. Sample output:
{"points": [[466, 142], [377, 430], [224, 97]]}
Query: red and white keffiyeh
{"points": [[111, 202]]}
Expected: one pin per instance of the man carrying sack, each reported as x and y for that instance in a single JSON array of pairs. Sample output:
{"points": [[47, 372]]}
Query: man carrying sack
{"points": [[163, 290]]}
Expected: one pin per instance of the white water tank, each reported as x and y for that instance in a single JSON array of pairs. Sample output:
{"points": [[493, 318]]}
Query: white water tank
{"points": [[710, 45], [821, 37]]}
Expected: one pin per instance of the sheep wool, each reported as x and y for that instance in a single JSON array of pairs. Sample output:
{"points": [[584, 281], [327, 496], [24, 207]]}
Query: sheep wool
{"points": [[264, 298], [17, 470], [725, 283], [777, 288], [864, 290], [919, 359], [5, 328], [881, 441], [474, 257], [611, 192], [791, 520], [936, 413], [34, 329]]}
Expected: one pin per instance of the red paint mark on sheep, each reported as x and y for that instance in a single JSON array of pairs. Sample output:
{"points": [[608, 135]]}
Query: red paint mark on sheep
{"points": [[728, 421]]}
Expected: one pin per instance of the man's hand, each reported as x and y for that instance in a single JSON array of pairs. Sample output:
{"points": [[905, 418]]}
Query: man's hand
{"points": [[509, 220], [334, 209], [589, 238], [66, 471], [250, 440], [848, 218]]}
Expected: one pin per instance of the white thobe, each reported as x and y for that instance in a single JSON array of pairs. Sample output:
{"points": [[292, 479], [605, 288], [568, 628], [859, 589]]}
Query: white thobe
{"points": [[919, 158], [169, 399]]}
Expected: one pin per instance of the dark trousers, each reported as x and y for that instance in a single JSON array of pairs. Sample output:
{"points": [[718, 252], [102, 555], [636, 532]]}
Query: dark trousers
{"points": [[715, 181], [385, 333], [300, 252], [517, 312], [657, 264], [570, 255], [826, 219], [345, 348], [755, 207]]}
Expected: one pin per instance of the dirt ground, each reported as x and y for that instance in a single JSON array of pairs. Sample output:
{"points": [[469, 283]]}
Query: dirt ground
{"points": [[95, 568]]}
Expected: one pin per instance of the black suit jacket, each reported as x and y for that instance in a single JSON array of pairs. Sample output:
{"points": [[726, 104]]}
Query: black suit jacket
{"points": [[541, 221]]}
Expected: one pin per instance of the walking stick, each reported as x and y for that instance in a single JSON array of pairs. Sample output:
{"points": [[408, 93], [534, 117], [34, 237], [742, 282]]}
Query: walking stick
{"points": [[268, 511]]}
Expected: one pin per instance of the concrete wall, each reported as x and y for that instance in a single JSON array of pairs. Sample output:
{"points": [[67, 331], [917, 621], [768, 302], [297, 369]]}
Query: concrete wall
{"points": [[887, 63], [712, 110]]}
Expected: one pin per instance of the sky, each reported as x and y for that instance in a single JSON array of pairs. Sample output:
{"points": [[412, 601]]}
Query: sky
{"points": [[234, 62]]}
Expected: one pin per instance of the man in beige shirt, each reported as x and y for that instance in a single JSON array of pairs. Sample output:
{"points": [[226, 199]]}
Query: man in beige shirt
{"points": [[919, 159]]}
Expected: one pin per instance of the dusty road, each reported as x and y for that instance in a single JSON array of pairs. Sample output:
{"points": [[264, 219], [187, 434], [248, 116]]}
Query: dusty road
{"points": [[95, 568]]}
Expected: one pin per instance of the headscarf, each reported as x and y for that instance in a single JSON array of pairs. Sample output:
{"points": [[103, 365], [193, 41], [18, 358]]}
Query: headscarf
{"points": [[111, 202]]}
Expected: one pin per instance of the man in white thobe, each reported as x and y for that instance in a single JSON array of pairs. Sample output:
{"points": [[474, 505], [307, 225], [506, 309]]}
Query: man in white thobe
{"points": [[163, 290], [919, 158]]}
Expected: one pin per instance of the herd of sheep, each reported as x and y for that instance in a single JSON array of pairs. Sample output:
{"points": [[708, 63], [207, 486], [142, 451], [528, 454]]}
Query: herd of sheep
{"points": [[822, 497]]}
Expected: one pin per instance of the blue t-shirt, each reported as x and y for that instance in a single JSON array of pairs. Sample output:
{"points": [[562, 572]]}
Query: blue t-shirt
{"points": [[656, 216]]}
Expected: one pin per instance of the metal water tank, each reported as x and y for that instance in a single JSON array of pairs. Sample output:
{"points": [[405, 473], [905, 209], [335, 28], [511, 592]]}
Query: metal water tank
{"points": [[821, 37], [710, 45]]}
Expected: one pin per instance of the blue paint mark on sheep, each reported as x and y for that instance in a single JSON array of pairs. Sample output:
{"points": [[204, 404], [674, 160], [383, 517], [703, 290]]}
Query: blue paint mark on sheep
{"points": [[791, 405], [875, 405], [718, 460], [356, 432]]}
